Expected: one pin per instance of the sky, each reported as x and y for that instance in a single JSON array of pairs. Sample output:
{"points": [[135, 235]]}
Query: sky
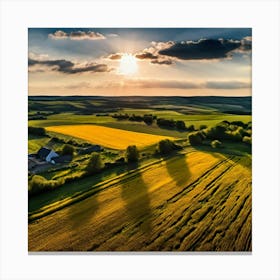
{"points": [[140, 61]]}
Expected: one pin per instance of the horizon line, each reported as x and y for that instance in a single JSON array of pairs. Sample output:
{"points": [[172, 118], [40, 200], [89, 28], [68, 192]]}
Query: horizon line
{"points": [[138, 96]]}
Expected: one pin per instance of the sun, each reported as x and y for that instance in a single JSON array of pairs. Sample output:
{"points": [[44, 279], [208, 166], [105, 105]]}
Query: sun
{"points": [[128, 65]]}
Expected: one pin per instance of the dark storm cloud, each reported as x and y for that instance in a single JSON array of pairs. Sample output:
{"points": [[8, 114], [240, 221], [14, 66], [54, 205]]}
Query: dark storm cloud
{"points": [[68, 67], [162, 61], [202, 49], [154, 57]]}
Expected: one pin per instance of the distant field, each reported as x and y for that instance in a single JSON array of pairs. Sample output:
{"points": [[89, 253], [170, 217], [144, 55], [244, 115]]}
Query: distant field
{"points": [[108, 137], [195, 202], [196, 120]]}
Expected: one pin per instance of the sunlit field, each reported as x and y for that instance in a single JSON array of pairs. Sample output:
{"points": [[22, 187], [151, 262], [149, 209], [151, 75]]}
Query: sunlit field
{"points": [[108, 137], [193, 202]]}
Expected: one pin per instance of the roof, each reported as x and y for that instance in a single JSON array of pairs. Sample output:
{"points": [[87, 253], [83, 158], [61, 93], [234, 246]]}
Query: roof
{"points": [[61, 159], [43, 152]]}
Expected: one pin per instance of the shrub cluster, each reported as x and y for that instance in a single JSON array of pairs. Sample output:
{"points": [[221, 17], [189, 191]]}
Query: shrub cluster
{"points": [[147, 118], [196, 138], [67, 150], [166, 147], [69, 142], [95, 164], [235, 131], [39, 131], [39, 184], [247, 140], [231, 131], [216, 144]]}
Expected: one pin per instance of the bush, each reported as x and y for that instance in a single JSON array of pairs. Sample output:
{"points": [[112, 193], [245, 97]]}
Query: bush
{"points": [[180, 125], [161, 122], [39, 184], [67, 150], [238, 123], [95, 164], [39, 131], [195, 138], [203, 126], [216, 144], [217, 132], [132, 154], [166, 146], [148, 119], [247, 140], [191, 128]]}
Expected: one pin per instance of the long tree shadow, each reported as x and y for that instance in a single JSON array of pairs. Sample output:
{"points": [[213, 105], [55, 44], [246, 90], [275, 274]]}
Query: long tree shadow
{"points": [[137, 202], [80, 213], [178, 169]]}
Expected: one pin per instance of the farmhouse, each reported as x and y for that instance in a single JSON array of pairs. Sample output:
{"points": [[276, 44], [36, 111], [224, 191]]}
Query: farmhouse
{"points": [[46, 154]]}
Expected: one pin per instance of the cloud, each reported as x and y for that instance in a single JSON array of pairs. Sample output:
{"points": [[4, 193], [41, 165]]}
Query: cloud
{"points": [[227, 85], [58, 35], [115, 56], [68, 67], [146, 55], [78, 85], [166, 53], [163, 61], [77, 35], [175, 84], [152, 55], [200, 50], [246, 44], [112, 35]]}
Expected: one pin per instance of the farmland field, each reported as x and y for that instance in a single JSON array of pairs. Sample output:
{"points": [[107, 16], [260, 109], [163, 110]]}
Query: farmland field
{"points": [[108, 137], [197, 201], [195, 198]]}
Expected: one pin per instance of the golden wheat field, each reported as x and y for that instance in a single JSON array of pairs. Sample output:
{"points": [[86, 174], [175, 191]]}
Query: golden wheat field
{"points": [[191, 202], [108, 137]]}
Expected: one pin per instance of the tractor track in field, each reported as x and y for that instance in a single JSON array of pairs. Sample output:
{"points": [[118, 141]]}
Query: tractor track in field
{"points": [[183, 220], [211, 212], [173, 200]]}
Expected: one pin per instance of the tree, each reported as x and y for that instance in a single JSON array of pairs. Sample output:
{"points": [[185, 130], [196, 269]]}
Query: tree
{"points": [[67, 150], [180, 125], [195, 138], [191, 128], [95, 164], [203, 126], [216, 144], [247, 140], [166, 146], [39, 131], [148, 119], [132, 154]]}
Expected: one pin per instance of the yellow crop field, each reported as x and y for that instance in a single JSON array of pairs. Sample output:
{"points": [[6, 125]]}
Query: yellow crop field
{"points": [[108, 137], [191, 202]]}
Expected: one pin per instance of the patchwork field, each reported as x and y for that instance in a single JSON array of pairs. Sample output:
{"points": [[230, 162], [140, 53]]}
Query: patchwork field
{"points": [[108, 137], [197, 201]]}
